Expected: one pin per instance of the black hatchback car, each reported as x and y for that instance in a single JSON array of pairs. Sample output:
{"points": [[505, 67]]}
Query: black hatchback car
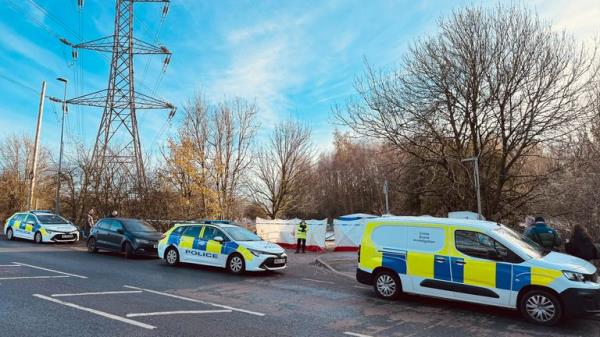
{"points": [[123, 235]]}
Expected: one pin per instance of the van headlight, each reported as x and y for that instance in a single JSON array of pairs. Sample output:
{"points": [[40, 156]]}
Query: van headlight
{"points": [[574, 276]]}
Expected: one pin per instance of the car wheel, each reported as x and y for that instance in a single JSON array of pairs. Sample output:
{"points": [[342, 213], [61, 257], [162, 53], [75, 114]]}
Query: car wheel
{"points": [[236, 264], [172, 256], [541, 307], [91, 245], [387, 285], [37, 238], [129, 253], [9, 234]]}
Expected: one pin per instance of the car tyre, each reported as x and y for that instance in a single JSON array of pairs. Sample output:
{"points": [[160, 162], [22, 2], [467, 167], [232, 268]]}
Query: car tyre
{"points": [[172, 256], [541, 307], [387, 285], [37, 238], [236, 264], [9, 234], [91, 245], [128, 248]]}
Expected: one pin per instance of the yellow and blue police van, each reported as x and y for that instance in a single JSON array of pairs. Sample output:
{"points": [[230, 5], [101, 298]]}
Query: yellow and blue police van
{"points": [[475, 261], [220, 244], [40, 226]]}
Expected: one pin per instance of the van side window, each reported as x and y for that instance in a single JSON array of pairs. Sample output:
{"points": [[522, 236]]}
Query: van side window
{"points": [[481, 246]]}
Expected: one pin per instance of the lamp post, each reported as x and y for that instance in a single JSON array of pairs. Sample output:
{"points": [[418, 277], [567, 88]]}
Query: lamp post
{"points": [[475, 161], [62, 129]]}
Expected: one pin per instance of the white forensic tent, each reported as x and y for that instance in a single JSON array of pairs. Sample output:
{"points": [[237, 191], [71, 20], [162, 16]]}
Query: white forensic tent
{"points": [[283, 232], [348, 230]]}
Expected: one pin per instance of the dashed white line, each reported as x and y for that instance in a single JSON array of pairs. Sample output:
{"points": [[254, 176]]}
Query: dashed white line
{"points": [[180, 312], [32, 277], [355, 334], [319, 281], [97, 312], [47, 269], [198, 301], [99, 293]]}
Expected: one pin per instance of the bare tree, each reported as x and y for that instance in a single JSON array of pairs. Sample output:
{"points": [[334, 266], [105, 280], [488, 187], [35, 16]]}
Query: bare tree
{"points": [[282, 170], [495, 83]]}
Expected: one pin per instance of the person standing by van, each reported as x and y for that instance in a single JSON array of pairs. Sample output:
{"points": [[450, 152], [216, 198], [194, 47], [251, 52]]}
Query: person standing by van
{"points": [[543, 234], [301, 231], [582, 245]]}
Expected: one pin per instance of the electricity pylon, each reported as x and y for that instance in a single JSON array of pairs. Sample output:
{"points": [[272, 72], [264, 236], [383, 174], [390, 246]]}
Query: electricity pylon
{"points": [[117, 147]]}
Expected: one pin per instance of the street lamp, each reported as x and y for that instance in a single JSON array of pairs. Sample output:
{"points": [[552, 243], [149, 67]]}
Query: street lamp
{"points": [[475, 161], [62, 129]]}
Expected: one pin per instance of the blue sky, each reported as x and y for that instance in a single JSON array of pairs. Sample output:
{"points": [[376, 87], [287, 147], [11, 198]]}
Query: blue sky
{"points": [[295, 59]]}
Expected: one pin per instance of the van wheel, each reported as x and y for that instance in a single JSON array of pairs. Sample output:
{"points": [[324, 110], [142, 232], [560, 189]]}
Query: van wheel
{"points": [[37, 238], [387, 285], [541, 307], [172, 256], [236, 264], [129, 253], [91, 245], [9, 234]]}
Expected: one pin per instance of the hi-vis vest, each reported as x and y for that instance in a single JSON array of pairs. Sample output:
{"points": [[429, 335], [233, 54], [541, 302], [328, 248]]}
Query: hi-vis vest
{"points": [[301, 230]]}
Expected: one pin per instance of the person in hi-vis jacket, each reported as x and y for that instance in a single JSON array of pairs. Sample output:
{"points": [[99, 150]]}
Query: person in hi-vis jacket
{"points": [[301, 231]]}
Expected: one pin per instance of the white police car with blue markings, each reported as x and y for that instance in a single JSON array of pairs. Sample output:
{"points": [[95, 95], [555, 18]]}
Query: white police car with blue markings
{"points": [[222, 245], [40, 226]]}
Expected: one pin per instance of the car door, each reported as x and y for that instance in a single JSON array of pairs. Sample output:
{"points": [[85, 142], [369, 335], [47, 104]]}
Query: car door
{"points": [[482, 268], [189, 250], [213, 249], [116, 235]]}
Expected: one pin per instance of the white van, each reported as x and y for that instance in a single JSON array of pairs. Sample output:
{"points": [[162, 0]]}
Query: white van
{"points": [[475, 261]]}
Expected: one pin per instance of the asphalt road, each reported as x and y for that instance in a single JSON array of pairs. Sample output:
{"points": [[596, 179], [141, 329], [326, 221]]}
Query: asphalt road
{"points": [[61, 290]]}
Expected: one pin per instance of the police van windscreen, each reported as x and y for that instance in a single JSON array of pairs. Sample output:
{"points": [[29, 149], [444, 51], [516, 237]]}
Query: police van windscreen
{"points": [[51, 219], [241, 234], [532, 249]]}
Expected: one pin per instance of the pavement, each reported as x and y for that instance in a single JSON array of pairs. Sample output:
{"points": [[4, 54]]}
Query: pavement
{"points": [[61, 290]]}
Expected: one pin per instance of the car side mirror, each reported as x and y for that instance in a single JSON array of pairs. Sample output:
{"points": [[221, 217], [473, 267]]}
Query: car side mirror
{"points": [[218, 238]]}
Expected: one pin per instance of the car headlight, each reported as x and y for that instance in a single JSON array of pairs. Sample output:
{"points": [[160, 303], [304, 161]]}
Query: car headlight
{"points": [[259, 252], [574, 276]]}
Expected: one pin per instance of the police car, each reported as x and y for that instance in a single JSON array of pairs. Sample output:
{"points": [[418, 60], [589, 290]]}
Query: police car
{"points": [[475, 261], [40, 226], [222, 245]]}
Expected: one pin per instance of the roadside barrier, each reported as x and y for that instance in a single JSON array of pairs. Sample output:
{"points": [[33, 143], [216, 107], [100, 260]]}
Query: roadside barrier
{"points": [[283, 232]]}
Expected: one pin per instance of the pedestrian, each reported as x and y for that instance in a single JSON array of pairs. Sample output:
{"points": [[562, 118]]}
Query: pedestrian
{"points": [[543, 234], [301, 231], [582, 245], [89, 222]]}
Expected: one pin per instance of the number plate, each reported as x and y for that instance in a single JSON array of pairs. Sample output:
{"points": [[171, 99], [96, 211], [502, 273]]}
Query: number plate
{"points": [[279, 261]]}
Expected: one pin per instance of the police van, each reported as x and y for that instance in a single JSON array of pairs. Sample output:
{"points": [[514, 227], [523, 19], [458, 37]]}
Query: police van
{"points": [[475, 261], [40, 226], [220, 244]]}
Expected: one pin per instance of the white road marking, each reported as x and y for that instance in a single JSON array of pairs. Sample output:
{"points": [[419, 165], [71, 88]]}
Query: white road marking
{"points": [[313, 280], [99, 293], [32, 277], [198, 301], [51, 270], [355, 334], [97, 312], [181, 312]]}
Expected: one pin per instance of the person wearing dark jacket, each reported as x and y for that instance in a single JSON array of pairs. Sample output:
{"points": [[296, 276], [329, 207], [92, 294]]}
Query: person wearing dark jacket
{"points": [[543, 234], [582, 245]]}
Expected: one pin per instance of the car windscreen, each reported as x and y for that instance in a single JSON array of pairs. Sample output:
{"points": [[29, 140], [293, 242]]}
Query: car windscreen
{"points": [[529, 247], [137, 225], [51, 219], [241, 234]]}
